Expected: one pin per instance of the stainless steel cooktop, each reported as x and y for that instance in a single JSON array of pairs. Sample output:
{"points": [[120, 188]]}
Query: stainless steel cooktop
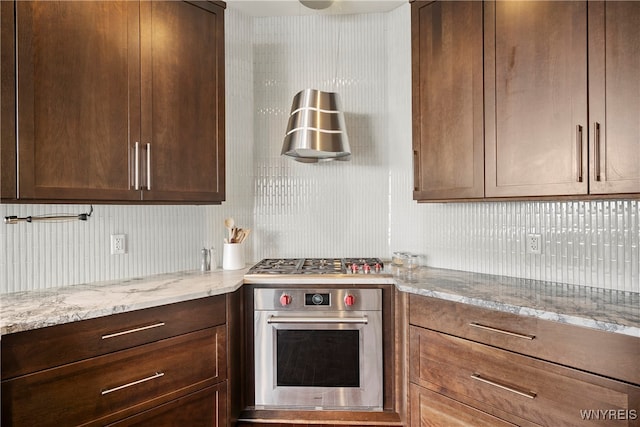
{"points": [[276, 266]]}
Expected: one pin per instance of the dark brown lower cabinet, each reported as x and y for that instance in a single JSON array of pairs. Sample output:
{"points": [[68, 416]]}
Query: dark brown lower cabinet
{"points": [[162, 366], [431, 409], [204, 408], [458, 377]]}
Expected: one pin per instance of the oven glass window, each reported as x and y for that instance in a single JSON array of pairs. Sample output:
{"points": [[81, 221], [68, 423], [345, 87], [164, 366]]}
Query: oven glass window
{"points": [[318, 358]]}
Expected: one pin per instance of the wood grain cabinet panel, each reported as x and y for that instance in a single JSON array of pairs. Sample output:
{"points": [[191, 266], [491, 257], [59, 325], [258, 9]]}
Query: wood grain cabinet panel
{"points": [[147, 367], [430, 409], [182, 52], [116, 384], [116, 101], [205, 408], [614, 97], [8, 164], [560, 95], [468, 362], [78, 72], [516, 386], [22, 352], [535, 98], [601, 352], [447, 100]]}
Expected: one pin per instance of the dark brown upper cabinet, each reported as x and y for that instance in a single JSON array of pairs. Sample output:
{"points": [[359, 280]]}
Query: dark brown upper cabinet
{"points": [[535, 98], [614, 97], [561, 105], [448, 130], [117, 101]]}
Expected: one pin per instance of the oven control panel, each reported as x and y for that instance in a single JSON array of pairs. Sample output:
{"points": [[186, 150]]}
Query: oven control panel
{"points": [[297, 299], [317, 299]]}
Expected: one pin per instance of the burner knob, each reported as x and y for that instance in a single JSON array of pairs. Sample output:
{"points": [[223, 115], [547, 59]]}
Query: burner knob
{"points": [[366, 268], [285, 299], [349, 300], [377, 267], [354, 268]]}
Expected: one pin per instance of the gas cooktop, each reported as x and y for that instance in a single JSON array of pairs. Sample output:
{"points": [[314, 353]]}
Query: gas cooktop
{"points": [[275, 266]]}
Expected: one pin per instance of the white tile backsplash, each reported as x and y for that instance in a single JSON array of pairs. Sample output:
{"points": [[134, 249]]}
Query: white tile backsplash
{"points": [[361, 207]]}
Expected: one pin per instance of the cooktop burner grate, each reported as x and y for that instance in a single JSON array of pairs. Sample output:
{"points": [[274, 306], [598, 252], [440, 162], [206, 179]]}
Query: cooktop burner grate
{"points": [[316, 266]]}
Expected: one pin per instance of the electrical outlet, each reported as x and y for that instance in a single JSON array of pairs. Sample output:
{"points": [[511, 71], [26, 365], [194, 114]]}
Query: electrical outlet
{"points": [[534, 244], [118, 244]]}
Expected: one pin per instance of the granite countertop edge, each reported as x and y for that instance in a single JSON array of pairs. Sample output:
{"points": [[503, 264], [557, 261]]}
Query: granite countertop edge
{"points": [[596, 308], [612, 311]]}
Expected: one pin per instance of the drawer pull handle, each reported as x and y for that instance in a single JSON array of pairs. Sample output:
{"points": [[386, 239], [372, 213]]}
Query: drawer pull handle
{"points": [[527, 394], [143, 380], [502, 331], [130, 331]]}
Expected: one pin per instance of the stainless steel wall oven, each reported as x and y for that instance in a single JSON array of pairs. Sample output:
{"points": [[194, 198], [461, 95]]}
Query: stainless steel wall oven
{"points": [[318, 348]]}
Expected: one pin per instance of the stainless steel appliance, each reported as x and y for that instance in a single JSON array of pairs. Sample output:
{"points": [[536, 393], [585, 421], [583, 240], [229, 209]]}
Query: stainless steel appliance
{"points": [[324, 266], [318, 348]]}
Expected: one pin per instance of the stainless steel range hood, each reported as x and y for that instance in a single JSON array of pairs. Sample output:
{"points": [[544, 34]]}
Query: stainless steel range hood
{"points": [[316, 130]]}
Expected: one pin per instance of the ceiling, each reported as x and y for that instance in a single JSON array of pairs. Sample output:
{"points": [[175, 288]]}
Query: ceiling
{"points": [[295, 8]]}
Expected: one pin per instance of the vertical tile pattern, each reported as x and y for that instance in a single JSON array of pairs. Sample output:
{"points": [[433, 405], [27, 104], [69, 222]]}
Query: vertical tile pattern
{"points": [[361, 207], [42, 255], [239, 99], [160, 239], [590, 243], [327, 209]]}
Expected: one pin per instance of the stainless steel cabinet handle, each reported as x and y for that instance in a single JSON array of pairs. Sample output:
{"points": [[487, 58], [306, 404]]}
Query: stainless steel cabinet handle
{"points": [[416, 170], [130, 331], [136, 166], [143, 380], [579, 150], [502, 331], [596, 148], [307, 320], [527, 394], [148, 166]]}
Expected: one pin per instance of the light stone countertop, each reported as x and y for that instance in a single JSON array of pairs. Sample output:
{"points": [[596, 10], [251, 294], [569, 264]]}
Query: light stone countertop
{"points": [[607, 310], [22, 311]]}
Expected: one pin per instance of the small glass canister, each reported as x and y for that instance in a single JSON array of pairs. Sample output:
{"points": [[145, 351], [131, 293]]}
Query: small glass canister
{"points": [[399, 259], [412, 261]]}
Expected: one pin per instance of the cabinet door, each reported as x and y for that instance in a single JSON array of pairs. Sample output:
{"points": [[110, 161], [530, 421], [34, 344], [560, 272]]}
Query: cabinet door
{"points": [[447, 100], [430, 409], [535, 98], [78, 73], [183, 101], [517, 388], [43, 348], [614, 96], [206, 408], [115, 385], [8, 167]]}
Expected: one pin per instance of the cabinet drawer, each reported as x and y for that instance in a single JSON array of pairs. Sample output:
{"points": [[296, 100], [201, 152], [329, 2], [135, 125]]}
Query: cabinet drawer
{"points": [[203, 408], [606, 353], [116, 385], [431, 409], [31, 351], [500, 382]]}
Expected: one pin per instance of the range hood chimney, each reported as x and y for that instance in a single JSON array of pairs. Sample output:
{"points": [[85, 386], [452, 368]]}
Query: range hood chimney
{"points": [[317, 4], [316, 130]]}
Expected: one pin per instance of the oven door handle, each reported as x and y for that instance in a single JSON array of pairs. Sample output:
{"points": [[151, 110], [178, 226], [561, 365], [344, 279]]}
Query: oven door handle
{"points": [[307, 320]]}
